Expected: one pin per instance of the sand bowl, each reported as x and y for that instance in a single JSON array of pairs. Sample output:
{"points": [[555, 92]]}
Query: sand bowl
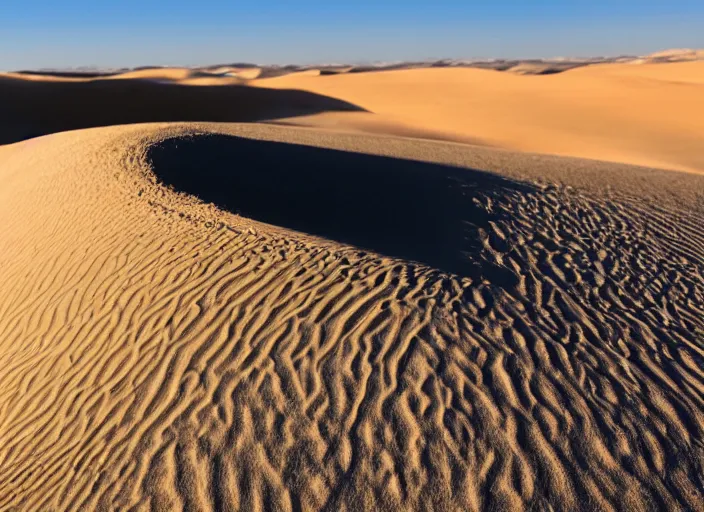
{"points": [[527, 336]]}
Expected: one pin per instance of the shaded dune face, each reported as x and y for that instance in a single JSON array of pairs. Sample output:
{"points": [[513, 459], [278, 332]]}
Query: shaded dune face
{"points": [[34, 108], [407, 209], [68, 74]]}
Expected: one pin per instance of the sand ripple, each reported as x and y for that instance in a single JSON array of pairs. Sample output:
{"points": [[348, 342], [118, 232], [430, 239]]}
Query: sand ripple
{"points": [[161, 354]]}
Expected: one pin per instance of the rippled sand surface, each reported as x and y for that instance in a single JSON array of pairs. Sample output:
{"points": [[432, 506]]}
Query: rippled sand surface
{"points": [[247, 317]]}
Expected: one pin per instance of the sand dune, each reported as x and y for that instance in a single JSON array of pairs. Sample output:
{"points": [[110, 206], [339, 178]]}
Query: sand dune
{"points": [[357, 323], [31, 108], [681, 73], [346, 315], [650, 114], [676, 55]]}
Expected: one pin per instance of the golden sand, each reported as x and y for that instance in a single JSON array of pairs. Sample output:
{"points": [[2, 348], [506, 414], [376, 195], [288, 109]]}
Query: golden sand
{"points": [[223, 316]]}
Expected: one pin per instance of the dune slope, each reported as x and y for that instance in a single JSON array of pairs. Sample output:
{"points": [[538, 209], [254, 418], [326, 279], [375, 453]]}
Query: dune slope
{"points": [[161, 353], [649, 114], [37, 106]]}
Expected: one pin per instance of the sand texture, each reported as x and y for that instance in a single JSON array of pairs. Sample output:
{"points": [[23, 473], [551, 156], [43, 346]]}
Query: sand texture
{"points": [[251, 317]]}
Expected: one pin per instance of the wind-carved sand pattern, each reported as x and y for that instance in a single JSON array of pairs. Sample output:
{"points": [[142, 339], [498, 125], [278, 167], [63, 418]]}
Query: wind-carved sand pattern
{"points": [[542, 352]]}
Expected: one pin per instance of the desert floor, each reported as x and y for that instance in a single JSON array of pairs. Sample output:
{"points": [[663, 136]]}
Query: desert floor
{"points": [[395, 304]]}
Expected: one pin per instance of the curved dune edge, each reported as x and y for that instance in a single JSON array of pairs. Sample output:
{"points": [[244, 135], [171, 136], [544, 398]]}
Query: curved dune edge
{"points": [[161, 353]]}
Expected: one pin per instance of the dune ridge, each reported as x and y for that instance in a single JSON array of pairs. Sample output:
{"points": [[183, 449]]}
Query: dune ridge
{"points": [[646, 114], [649, 114], [36, 107], [165, 353]]}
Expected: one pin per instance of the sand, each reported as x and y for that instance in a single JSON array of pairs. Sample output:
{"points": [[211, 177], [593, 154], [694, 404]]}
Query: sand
{"points": [[649, 114], [34, 106], [225, 316]]}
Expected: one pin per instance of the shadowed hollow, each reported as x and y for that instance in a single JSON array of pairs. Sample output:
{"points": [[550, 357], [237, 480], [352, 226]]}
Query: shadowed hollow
{"points": [[403, 208]]}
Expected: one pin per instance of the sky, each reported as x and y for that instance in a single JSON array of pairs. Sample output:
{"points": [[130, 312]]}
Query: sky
{"points": [[72, 33]]}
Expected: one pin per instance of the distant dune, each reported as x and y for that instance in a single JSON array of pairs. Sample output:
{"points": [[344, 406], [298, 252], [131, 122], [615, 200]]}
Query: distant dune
{"points": [[646, 114], [649, 114], [39, 106], [676, 55]]}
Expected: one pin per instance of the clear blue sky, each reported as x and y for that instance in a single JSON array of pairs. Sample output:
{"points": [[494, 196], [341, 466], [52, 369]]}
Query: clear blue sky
{"points": [[65, 33]]}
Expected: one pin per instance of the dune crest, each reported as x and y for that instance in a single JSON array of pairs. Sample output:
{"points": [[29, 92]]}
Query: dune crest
{"points": [[36, 107], [165, 353], [650, 114]]}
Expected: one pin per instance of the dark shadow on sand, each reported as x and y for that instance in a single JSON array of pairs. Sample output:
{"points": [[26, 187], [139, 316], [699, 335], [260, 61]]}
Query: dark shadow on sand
{"points": [[72, 74], [34, 108], [406, 209]]}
